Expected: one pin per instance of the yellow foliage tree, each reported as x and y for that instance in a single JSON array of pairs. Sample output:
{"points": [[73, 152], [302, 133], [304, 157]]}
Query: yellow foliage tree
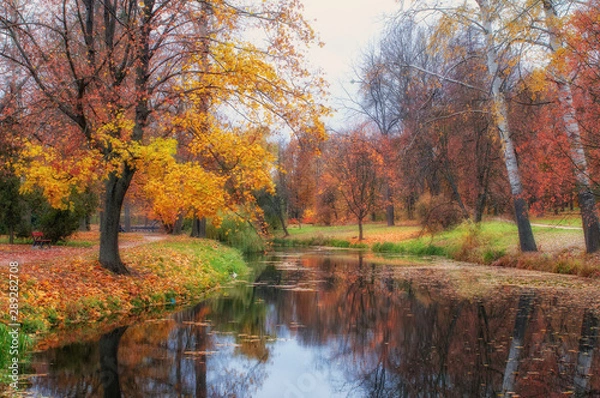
{"points": [[163, 90]]}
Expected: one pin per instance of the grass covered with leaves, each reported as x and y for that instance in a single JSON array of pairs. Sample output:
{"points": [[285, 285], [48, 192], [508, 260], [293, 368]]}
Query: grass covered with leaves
{"points": [[57, 292]]}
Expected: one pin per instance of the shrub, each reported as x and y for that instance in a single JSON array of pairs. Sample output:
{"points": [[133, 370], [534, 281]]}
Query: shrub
{"points": [[437, 213], [57, 225], [237, 233]]}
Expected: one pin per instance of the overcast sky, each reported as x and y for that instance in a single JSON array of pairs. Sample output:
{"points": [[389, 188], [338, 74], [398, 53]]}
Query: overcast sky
{"points": [[346, 27]]}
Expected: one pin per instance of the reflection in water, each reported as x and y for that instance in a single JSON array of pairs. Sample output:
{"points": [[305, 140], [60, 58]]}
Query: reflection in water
{"points": [[323, 325], [517, 343], [585, 357], [109, 364]]}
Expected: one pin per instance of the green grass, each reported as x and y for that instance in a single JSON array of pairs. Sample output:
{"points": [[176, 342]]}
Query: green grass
{"points": [[197, 257], [6, 356], [417, 247], [318, 240], [345, 232], [571, 219], [481, 243], [68, 243]]}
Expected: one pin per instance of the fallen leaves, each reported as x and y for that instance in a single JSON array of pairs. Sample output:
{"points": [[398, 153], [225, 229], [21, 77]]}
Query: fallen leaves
{"points": [[66, 286]]}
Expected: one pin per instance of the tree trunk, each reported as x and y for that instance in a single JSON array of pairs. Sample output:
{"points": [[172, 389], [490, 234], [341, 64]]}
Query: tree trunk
{"points": [[199, 227], [587, 202], [11, 234], [455, 194], [410, 206], [178, 226], [526, 239], [389, 206], [283, 224], [84, 223], [360, 229], [483, 177], [500, 115], [591, 228], [480, 206], [116, 188]]}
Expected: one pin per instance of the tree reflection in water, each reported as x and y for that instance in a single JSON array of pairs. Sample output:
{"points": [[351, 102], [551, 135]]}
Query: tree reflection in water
{"points": [[326, 325]]}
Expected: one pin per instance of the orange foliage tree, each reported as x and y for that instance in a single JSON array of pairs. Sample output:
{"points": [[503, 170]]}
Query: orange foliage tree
{"points": [[354, 168], [120, 85]]}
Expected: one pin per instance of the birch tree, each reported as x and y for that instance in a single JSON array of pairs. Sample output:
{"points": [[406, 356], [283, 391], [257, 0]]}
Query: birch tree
{"points": [[484, 18], [587, 201]]}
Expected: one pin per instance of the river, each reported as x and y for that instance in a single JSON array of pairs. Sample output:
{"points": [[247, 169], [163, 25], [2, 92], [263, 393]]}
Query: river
{"points": [[318, 323]]}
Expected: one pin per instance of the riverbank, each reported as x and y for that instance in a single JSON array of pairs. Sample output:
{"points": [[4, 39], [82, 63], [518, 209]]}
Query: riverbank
{"points": [[493, 242], [64, 287]]}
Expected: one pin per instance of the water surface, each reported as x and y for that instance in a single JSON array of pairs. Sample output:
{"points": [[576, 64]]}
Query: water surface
{"points": [[328, 324]]}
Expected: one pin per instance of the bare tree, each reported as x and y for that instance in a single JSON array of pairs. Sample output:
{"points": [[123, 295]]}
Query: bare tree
{"points": [[483, 19]]}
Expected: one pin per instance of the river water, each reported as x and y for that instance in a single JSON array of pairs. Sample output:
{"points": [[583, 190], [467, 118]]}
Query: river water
{"points": [[320, 323]]}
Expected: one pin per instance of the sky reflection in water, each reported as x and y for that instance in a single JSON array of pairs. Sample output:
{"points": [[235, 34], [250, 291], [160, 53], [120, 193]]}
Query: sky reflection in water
{"points": [[319, 324]]}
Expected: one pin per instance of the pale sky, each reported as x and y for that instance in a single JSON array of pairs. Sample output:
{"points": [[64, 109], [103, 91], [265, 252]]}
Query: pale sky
{"points": [[346, 27]]}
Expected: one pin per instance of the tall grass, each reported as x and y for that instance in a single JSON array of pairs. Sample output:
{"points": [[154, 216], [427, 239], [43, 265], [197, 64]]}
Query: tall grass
{"points": [[237, 233], [417, 247]]}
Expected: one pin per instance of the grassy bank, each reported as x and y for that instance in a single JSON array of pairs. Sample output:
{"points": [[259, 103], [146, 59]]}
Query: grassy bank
{"points": [[61, 292], [561, 249]]}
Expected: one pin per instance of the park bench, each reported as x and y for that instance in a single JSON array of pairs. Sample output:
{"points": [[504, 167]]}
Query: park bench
{"points": [[38, 239]]}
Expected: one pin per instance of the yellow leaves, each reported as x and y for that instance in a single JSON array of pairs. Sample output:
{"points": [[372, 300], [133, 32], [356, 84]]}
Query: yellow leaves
{"points": [[57, 175], [183, 188], [226, 168], [537, 82]]}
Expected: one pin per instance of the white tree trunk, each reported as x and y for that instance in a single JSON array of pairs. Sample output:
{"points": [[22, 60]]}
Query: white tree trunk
{"points": [[500, 115], [587, 201]]}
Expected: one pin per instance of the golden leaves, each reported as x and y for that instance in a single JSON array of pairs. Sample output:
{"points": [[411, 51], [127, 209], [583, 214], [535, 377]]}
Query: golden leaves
{"points": [[57, 175]]}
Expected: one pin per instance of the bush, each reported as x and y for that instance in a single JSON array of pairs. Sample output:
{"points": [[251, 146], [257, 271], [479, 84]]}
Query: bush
{"points": [[57, 225], [437, 213], [237, 233]]}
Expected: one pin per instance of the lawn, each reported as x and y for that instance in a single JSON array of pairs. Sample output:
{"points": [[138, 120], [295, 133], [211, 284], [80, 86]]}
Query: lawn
{"points": [[566, 219], [373, 232]]}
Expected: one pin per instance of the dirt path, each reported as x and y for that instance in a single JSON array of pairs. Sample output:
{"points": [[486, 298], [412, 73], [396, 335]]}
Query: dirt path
{"points": [[556, 226]]}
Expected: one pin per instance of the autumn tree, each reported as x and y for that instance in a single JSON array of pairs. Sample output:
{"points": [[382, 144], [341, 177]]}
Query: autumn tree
{"points": [[538, 27], [442, 141], [377, 103], [386, 94], [355, 166], [299, 181], [121, 80], [484, 19], [563, 77], [11, 205]]}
